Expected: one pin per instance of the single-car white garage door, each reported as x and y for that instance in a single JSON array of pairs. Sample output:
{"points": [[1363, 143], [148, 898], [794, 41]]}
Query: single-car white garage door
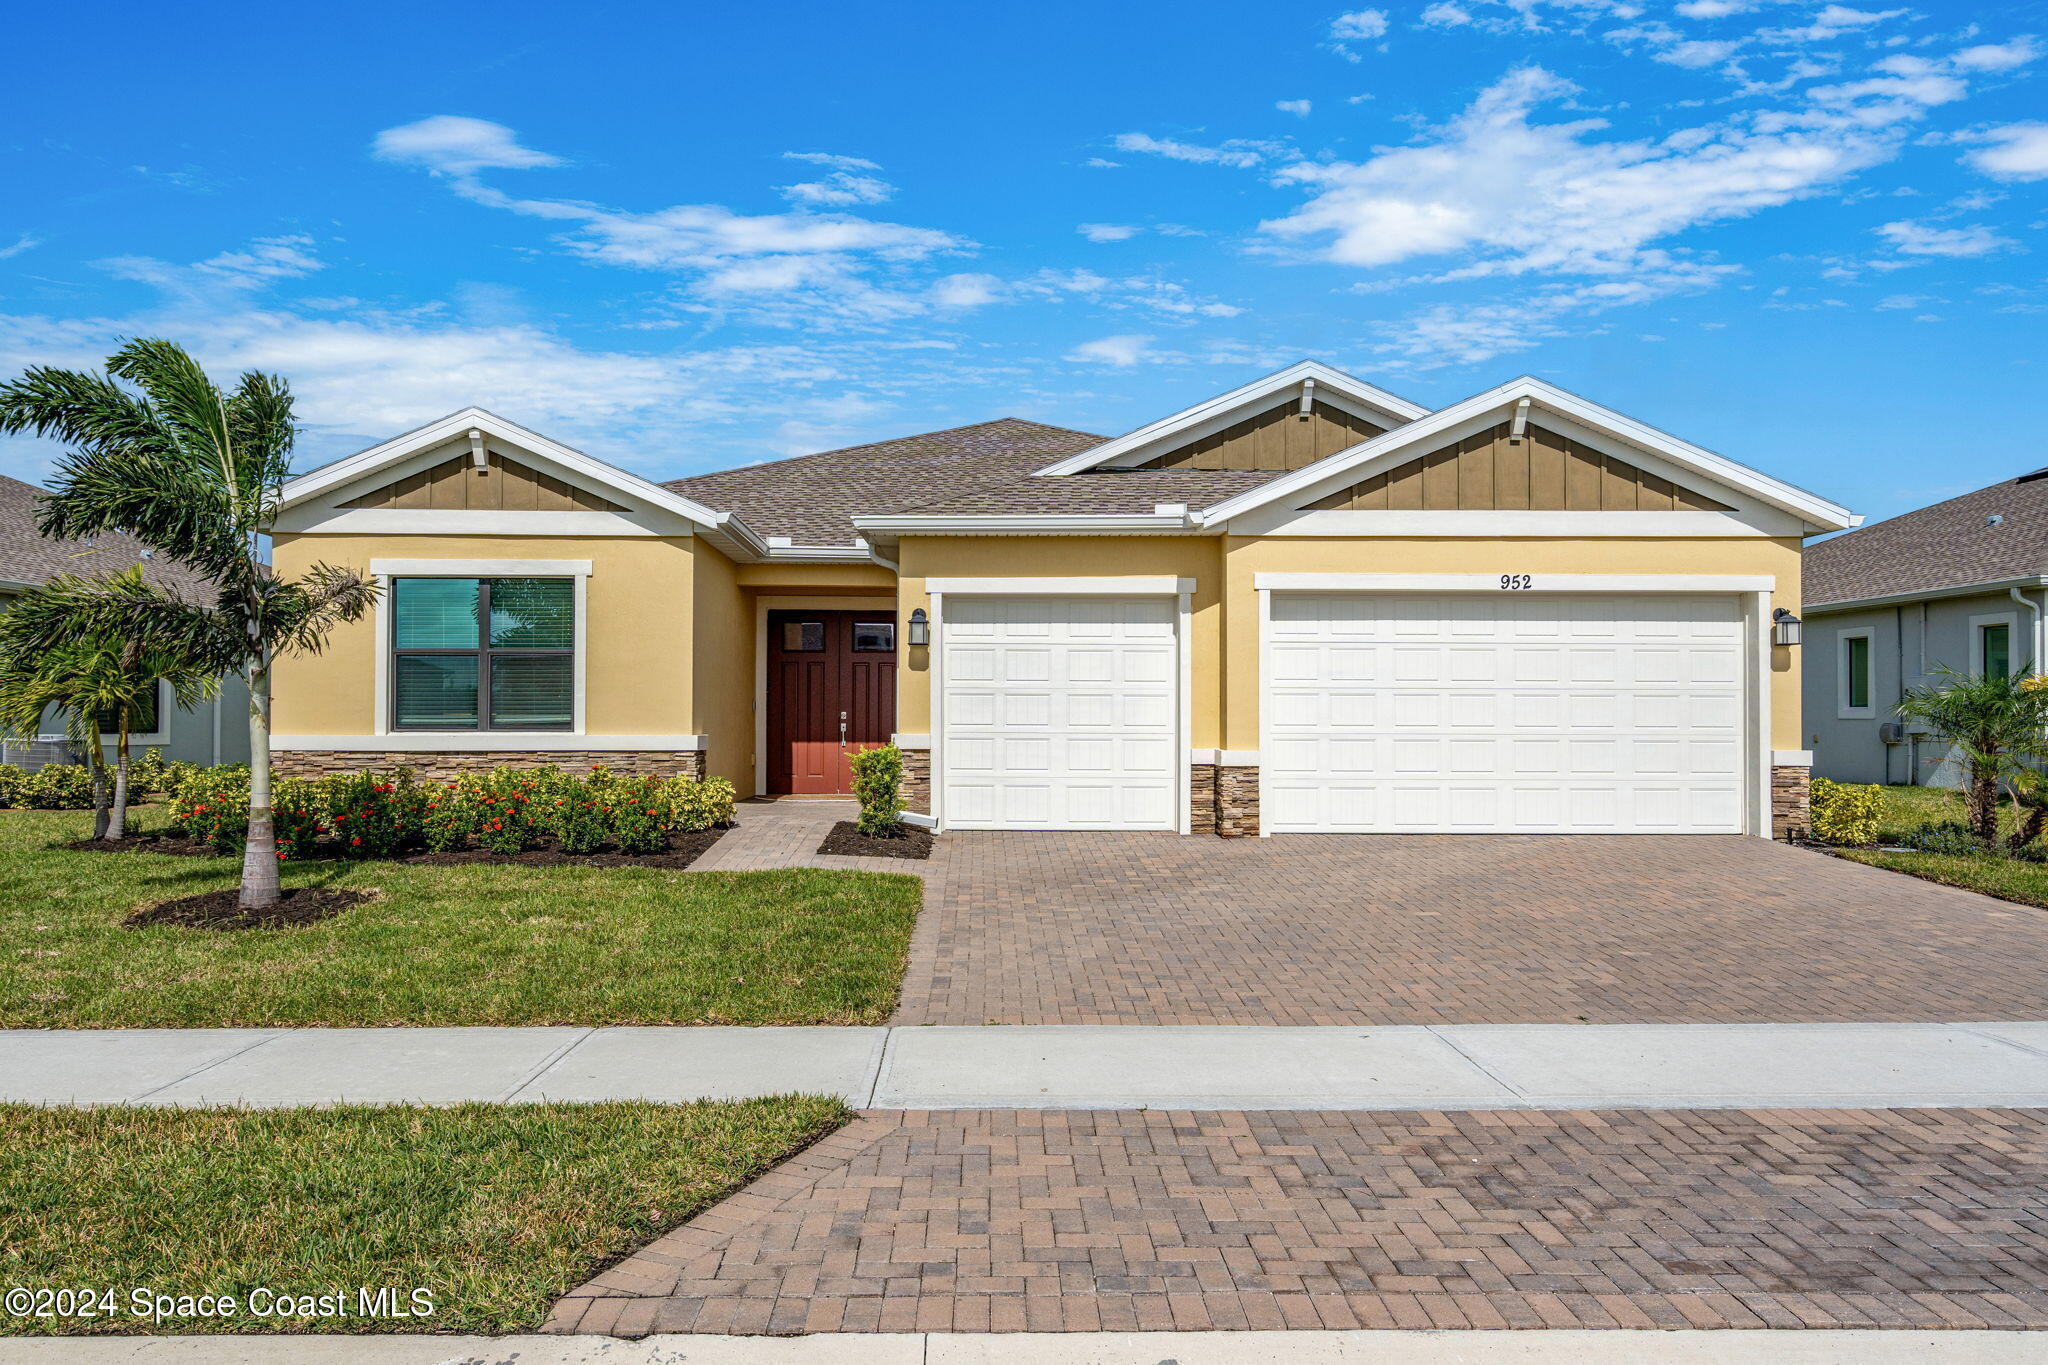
{"points": [[1059, 713], [1504, 713]]}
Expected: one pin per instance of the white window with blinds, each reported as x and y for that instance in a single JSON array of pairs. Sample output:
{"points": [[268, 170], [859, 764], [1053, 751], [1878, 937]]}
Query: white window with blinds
{"points": [[483, 653]]}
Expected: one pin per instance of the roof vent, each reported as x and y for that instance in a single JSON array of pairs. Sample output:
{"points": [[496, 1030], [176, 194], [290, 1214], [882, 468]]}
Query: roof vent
{"points": [[1995, 519]]}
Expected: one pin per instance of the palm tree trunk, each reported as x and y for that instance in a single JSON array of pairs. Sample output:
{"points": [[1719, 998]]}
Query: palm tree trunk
{"points": [[1981, 802], [260, 889], [96, 764], [117, 822]]}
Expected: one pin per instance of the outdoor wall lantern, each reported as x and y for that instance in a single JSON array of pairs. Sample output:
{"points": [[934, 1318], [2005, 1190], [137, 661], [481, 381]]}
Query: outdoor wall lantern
{"points": [[1785, 627], [920, 628]]}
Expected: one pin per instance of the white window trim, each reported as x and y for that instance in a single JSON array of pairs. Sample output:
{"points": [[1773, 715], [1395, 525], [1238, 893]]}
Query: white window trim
{"points": [[384, 570], [1844, 711], [1534, 582], [762, 606], [2011, 621]]}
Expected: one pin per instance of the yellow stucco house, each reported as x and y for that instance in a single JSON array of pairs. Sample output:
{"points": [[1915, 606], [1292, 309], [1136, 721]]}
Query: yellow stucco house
{"points": [[1305, 605]]}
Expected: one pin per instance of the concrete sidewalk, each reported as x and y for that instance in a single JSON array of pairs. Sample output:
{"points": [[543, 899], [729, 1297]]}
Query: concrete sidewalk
{"points": [[1525, 1066], [1101, 1348]]}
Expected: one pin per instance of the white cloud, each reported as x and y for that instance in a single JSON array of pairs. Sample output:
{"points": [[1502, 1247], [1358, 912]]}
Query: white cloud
{"points": [[1830, 23], [839, 189], [264, 261], [1299, 108], [1714, 9], [1468, 333], [966, 291], [448, 144], [2017, 151], [1120, 351], [836, 162], [1522, 196], [1359, 25], [28, 241], [1108, 232], [1242, 153], [1911, 238], [1102, 163], [1446, 15], [1998, 56]]}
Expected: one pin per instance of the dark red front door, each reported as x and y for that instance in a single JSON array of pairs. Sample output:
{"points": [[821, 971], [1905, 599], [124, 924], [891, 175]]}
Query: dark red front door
{"points": [[831, 690]]}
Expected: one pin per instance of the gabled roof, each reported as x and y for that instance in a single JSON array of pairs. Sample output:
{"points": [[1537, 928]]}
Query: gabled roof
{"points": [[1405, 442], [363, 464], [1331, 385], [812, 499], [1951, 545], [28, 557]]}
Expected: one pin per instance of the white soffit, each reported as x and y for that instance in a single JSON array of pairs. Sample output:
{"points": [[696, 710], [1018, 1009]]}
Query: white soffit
{"points": [[1331, 385]]}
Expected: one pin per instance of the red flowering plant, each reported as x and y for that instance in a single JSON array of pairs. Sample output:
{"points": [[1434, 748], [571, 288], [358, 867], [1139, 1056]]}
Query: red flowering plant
{"points": [[375, 815], [295, 814], [639, 812], [213, 805], [448, 815]]}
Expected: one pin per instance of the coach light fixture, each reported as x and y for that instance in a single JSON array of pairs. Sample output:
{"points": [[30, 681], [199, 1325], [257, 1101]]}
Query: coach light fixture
{"points": [[1785, 627], [920, 627]]}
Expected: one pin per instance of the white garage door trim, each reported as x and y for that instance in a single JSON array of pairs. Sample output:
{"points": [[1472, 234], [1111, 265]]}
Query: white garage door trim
{"points": [[1180, 589], [1752, 590]]}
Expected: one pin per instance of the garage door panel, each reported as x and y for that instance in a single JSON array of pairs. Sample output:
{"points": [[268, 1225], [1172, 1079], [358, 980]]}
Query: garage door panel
{"points": [[1536, 713], [1064, 716]]}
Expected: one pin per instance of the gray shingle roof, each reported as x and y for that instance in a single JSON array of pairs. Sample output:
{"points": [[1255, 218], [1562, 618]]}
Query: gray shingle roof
{"points": [[27, 556], [983, 469], [1949, 545]]}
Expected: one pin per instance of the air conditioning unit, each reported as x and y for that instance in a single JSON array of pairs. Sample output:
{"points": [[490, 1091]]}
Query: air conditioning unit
{"points": [[1892, 732]]}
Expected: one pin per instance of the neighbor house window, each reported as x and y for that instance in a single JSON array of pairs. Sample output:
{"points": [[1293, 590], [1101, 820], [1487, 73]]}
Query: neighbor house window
{"points": [[1994, 647], [483, 653], [1855, 688], [143, 717]]}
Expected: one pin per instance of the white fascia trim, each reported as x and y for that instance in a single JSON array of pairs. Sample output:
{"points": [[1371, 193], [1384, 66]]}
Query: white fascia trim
{"points": [[816, 554], [1513, 524], [480, 568], [415, 521], [1328, 381], [1119, 524], [1818, 512], [464, 741], [911, 741], [1996, 585], [1791, 758], [364, 463], [1139, 586], [1488, 582]]}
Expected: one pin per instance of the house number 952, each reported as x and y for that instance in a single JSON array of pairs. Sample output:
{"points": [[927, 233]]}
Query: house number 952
{"points": [[1515, 582]]}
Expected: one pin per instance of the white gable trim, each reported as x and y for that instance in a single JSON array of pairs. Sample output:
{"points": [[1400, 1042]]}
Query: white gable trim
{"points": [[1333, 386], [1657, 451], [330, 481]]}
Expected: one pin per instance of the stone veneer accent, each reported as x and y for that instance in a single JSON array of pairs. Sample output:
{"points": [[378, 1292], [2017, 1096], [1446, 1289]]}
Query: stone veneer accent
{"points": [[1237, 802], [917, 780], [1790, 809], [1201, 798], [449, 763]]}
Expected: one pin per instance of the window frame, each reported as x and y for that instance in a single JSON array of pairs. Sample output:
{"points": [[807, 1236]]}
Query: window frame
{"points": [[853, 637], [156, 735], [2010, 620], [483, 652], [1843, 708]]}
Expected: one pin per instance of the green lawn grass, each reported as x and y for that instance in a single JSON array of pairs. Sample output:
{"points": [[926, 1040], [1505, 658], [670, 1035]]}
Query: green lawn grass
{"points": [[1908, 808], [493, 1210], [443, 945]]}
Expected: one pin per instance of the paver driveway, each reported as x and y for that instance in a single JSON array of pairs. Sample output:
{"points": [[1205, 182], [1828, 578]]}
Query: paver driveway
{"points": [[1103, 928]]}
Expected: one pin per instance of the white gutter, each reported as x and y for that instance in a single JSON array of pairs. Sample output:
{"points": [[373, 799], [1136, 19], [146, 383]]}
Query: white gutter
{"points": [[1926, 594], [2034, 659]]}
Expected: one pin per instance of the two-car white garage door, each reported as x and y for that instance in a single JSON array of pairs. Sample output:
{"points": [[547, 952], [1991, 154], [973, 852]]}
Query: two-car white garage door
{"points": [[1504, 713], [1460, 712]]}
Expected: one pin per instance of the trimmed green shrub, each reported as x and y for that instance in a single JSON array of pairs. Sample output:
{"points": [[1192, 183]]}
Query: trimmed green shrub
{"points": [[447, 818], [1951, 837], [878, 784], [701, 805], [295, 816], [373, 815], [58, 786], [148, 775], [11, 780], [213, 805], [1841, 813], [639, 813]]}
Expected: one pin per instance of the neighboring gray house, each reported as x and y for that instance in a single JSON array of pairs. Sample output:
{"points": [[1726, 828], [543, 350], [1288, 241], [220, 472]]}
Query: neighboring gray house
{"points": [[214, 732], [1962, 583]]}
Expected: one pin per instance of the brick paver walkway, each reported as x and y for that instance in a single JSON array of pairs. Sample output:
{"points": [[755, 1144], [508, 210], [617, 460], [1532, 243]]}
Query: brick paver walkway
{"points": [[786, 832], [1107, 928], [1009, 1220]]}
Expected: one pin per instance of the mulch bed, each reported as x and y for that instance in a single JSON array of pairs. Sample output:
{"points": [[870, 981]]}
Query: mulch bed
{"points": [[682, 850], [221, 909], [909, 841]]}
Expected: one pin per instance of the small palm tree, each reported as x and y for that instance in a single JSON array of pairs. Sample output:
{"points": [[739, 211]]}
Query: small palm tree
{"points": [[193, 472], [1997, 722], [98, 682]]}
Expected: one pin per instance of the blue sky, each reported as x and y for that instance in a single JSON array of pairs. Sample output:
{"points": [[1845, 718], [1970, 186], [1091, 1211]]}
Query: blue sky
{"points": [[1807, 235]]}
